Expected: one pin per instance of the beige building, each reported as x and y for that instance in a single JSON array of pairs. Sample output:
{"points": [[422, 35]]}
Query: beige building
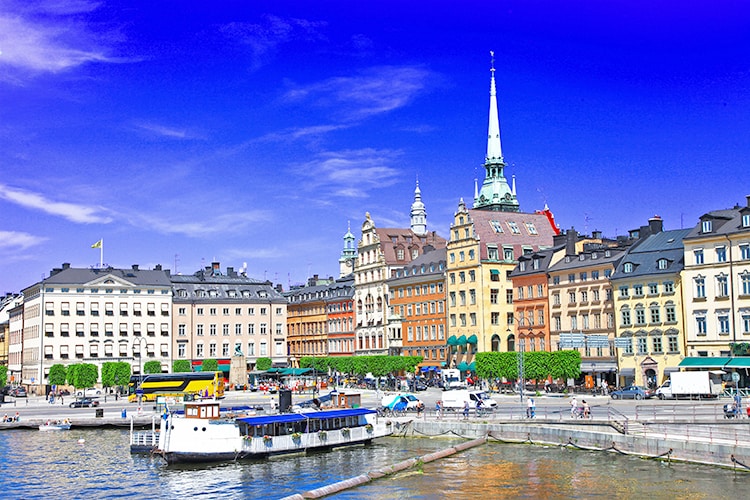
{"points": [[93, 315], [716, 286]]}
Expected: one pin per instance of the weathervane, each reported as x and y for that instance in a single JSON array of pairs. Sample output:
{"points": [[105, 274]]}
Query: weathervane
{"points": [[492, 60]]}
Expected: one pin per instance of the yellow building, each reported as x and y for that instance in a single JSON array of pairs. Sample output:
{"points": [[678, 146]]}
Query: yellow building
{"points": [[648, 307]]}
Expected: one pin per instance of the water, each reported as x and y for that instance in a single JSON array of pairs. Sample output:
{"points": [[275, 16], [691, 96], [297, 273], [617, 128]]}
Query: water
{"points": [[51, 464]]}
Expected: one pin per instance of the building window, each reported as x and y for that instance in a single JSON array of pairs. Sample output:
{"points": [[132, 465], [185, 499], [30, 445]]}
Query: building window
{"points": [[671, 313], [745, 220], [661, 264], [656, 341], [700, 325], [746, 323], [638, 290], [624, 292], [640, 315], [706, 226], [723, 324], [628, 267], [625, 316], [642, 345], [508, 253], [698, 255], [722, 287], [668, 287], [745, 252], [492, 253], [653, 289], [655, 314], [745, 283], [672, 344], [700, 287], [721, 254]]}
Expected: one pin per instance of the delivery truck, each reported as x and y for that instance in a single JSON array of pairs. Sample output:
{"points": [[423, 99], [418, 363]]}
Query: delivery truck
{"points": [[455, 399], [692, 385]]}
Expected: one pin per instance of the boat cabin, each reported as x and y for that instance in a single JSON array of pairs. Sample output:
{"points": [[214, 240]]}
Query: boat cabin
{"points": [[199, 409]]}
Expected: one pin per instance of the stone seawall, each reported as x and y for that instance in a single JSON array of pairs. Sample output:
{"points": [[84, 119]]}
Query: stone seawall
{"points": [[591, 437]]}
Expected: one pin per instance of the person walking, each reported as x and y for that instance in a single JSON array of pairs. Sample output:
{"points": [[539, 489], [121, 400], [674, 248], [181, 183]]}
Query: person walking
{"points": [[466, 410], [586, 409], [439, 408], [530, 408], [573, 407]]}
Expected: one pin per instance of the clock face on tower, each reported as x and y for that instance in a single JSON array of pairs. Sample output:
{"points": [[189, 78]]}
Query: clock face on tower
{"points": [[349, 263]]}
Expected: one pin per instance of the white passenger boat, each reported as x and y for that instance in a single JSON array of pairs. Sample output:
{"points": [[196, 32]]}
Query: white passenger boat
{"points": [[201, 434]]}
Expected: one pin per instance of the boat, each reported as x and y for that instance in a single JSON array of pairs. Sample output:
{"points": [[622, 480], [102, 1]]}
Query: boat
{"points": [[55, 426], [202, 434]]}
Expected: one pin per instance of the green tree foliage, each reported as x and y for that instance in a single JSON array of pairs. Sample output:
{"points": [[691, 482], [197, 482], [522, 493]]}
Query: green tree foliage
{"points": [[121, 375], [3, 375], [181, 366], [82, 375], [536, 365], [108, 373], [490, 365], [210, 365], [261, 364], [57, 374], [565, 364], [379, 366], [152, 366]]}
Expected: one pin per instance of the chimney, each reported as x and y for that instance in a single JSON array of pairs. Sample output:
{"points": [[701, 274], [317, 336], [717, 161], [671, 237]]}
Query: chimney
{"points": [[135, 267], [655, 224], [157, 267], [747, 197], [597, 235], [230, 272], [570, 241], [66, 265]]}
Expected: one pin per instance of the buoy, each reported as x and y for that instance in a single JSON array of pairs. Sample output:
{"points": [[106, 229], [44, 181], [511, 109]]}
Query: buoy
{"points": [[81, 441]]}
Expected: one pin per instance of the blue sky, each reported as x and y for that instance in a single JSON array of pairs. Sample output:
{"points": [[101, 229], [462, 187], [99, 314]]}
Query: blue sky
{"points": [[187, 132]]}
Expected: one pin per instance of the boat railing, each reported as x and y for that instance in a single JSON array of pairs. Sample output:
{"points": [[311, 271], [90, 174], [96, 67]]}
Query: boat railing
{"points": [[144, 439], [302, 441]]}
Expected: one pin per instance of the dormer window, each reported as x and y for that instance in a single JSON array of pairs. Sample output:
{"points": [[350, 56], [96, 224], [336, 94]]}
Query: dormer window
{"points": [[607, 253], [706, 226], [522, 265], [745, 220], [496, 226], [581, 257], [531, 229], [628, 267], [661, 264], [513, 227]]}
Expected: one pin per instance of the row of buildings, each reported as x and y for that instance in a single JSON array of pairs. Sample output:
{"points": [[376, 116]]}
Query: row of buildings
{"points": [[636, 306]]}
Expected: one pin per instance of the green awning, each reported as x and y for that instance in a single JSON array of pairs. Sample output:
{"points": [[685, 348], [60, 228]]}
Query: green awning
{"points": [[463, 366], [741, 362], [473, 366], [294, 371], [494, 271], [461, 340], [452, 340], [472, 339], [704, 362]]}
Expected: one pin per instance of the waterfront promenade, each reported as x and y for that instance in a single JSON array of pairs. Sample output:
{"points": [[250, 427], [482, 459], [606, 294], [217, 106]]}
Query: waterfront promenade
{"points": [[689, 431]]}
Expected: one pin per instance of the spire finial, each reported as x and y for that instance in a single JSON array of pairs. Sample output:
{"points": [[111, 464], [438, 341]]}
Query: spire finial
{"points": [[492, 61]]}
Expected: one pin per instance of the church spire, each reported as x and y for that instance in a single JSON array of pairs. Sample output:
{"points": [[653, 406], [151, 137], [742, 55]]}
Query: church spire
{"points": [[418, 213], [495, 194], [348, 253]]}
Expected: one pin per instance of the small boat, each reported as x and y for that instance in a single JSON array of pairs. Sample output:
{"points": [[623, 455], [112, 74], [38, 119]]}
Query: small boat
{"points": [[202, 434], [55, 426]]}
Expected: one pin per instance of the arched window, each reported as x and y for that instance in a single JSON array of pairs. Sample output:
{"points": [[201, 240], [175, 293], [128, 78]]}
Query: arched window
{"points": [[495, 343], [511, 343]]}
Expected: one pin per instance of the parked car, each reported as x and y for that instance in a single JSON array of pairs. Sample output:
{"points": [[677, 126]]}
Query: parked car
{"points": [[84, 403], [18, 392], [405, 401], [419, 385], [632, 392], [91, 392]]}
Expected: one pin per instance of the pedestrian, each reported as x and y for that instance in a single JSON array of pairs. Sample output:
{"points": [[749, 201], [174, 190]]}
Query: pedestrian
{"points": [[18, 417], [438, 408], [466, 410], [573, 407], [737, 404], [586, 409], [530, 408]]}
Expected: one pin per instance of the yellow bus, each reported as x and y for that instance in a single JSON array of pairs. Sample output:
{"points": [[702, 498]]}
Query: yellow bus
{"points": [[178, 385]]}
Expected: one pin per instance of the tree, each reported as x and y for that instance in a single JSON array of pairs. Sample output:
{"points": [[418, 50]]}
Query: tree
{"points": [[502, 365], [57, 374], [122, 373], [565, 364], [82, 375], [3, 375], [210, 365], [152, 366], [260, 364], [181, 366]]}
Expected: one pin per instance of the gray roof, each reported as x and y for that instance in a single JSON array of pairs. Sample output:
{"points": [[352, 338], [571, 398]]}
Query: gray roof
{"points": [[82, 276], [600, 256], [341, 289], [543, 256], [645, 256], [728, 221]]}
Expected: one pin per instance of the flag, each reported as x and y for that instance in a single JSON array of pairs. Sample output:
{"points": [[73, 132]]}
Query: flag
{"points": [[98, 244]]}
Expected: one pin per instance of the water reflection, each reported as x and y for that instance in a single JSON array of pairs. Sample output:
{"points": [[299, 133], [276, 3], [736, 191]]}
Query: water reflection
{"points": [[53, 464]]}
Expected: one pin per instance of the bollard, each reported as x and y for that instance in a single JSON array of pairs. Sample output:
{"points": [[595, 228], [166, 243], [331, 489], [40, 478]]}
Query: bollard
{"points": [[124, 413]]}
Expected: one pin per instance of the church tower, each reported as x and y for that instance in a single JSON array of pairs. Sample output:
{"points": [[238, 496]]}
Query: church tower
{"points": [[495, 194], [418, 214], [348, 254]]}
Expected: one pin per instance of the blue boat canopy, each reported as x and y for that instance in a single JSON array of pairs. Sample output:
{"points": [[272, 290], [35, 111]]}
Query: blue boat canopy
{"points": [[299, 417]]}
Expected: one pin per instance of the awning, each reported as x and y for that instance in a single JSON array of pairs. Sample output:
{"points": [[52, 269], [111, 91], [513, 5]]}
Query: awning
{"points": [[461, 340], [741, 362], [472, 339], [463, 366], [294, 371], [598, 366], [452, 340], [704, 362], [627, 372], [299, 417], [494, 271], [473, 366]]}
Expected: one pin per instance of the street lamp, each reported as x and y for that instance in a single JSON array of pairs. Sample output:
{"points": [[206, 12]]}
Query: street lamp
{"points": [[139, 390]]}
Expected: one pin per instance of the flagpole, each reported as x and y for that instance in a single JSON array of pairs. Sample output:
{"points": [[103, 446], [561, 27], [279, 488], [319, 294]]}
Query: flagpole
{"points": [[101, 254]]}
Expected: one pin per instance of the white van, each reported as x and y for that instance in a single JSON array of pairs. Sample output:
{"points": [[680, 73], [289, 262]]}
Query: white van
{"points": [[454, 400], [452, 379]]}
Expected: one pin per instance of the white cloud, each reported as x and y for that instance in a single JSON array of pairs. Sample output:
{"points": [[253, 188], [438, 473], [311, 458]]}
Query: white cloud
{"points": [[208, 226], [350, 173], [18, 240], [70, 211], [370, 92], [163, 131], [49, 38]]}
